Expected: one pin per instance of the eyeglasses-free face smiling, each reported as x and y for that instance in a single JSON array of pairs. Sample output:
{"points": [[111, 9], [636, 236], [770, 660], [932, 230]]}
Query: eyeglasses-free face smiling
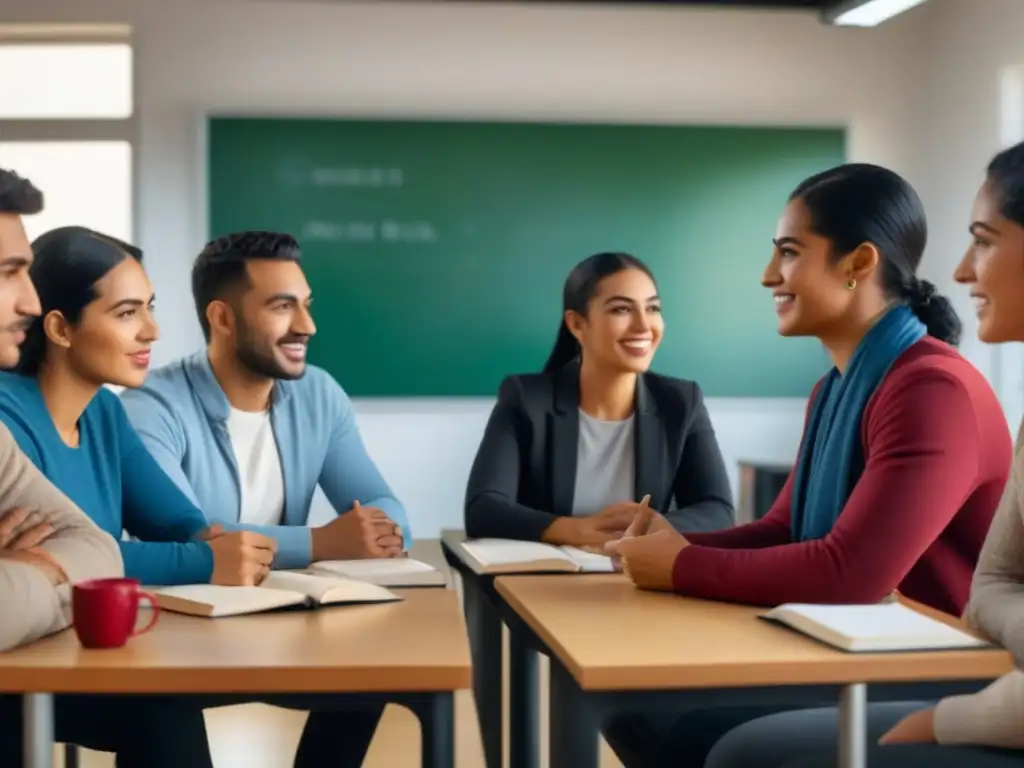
{"points": [[623, 324]]}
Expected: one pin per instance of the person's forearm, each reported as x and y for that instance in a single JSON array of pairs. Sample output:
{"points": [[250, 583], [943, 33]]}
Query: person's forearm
{"points": [[30, 606], [704, 517], [491, 516], [993, 717], [166, 563]]}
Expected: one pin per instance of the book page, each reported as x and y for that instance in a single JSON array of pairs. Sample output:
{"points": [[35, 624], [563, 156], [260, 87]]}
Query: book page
{"points": [[510, 551], [218, 600], [884, 621], [327, 589], [368, 570], [589, 562]]}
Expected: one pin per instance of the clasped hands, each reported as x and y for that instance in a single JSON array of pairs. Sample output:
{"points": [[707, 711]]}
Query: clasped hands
{"points": [[642, 543], [360, 533], [647, 550]]}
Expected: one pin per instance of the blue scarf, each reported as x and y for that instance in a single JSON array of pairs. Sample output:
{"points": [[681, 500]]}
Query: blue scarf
{"points": [[831, 456]]}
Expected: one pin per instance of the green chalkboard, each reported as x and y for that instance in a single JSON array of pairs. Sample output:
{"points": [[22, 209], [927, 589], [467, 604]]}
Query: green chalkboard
{"points": [[437, 250]]}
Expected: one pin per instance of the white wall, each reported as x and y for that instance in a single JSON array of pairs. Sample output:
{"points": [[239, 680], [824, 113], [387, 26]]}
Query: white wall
{"points": [[977, 50], [554, 62]]}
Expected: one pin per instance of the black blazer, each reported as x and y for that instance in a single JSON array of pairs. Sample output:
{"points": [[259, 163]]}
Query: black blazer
{"points": [[524, 474]]}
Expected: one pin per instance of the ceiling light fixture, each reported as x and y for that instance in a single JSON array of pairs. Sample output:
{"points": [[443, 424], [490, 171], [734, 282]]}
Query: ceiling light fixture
{"points": [[866, 13]]}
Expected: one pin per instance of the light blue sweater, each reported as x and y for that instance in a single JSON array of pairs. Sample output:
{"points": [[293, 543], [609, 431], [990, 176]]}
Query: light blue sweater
{"points": [[181, 415]]}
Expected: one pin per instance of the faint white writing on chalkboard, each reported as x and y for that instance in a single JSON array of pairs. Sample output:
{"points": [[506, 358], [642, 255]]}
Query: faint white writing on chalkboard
{"points": [[407, 231], [387, 231], [358, 177], [339, 231]]}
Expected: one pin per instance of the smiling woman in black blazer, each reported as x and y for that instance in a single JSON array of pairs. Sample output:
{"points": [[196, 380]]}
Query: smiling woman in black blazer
{"points": [[569, 453]]}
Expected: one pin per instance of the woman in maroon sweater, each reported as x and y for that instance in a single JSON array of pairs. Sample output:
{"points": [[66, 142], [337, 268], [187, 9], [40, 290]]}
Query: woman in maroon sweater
{"points": [[903, 460]]}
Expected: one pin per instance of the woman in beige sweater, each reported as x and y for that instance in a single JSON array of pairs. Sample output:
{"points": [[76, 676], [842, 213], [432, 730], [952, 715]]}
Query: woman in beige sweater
{"points": [[985, 729]]}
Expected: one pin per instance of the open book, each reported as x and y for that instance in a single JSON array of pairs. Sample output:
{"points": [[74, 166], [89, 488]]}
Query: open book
{"points": [[385, 572], [281, 589], [494, 556], [889, 626]]}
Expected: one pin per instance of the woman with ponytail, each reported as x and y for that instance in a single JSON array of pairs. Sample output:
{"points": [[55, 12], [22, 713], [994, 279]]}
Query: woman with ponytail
{"points": [[983, 730], [903, 460], [570, 453]]}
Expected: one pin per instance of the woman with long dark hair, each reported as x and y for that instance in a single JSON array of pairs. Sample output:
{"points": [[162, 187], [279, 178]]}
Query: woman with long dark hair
{"points": [[97, 328], [570, 453]]}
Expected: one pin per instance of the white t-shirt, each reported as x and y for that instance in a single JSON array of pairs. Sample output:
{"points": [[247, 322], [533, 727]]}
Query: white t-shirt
{"points": [[259, 467]]}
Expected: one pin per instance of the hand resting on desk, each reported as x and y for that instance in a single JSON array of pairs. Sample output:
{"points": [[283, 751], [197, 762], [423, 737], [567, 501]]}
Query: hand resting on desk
{"points": [[360, 533], [647, 551], [240, 558], [592, 532]]}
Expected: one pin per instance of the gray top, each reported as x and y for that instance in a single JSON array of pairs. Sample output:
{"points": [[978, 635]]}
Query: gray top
{"points": [[604, 464]]}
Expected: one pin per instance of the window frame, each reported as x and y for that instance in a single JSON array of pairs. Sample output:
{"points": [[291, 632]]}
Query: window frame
{"points": [[34, 130]]}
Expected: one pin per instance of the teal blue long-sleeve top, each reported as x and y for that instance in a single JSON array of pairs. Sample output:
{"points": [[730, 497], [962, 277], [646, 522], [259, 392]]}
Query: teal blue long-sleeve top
{"points": [[115, 481]]}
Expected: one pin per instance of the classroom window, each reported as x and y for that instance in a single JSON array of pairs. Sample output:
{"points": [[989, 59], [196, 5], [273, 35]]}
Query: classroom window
{"points": [[88, 183], [66, 81]]}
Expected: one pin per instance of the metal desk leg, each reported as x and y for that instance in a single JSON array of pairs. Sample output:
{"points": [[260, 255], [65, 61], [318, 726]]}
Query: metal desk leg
{"points": [[437, 724], [38, 717], [575, 724], [853, 726], [483, 624], [524, 715]]}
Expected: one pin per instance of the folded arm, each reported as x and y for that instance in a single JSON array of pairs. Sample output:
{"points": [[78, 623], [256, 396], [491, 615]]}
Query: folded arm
{"points": [[491, 508], [701, 486], [30, 605], [918, 474]]}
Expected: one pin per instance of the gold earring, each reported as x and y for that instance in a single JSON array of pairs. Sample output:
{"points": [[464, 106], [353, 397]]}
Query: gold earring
{"points": [[851, 283]]}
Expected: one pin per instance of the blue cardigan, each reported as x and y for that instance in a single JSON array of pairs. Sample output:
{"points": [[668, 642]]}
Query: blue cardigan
{"points": [[114, 480], [181, 415]]}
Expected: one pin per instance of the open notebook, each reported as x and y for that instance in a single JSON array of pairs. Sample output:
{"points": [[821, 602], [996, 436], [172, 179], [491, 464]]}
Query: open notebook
{"points": [[281, 589], [889, 626], [511, 556], [385, 572]]}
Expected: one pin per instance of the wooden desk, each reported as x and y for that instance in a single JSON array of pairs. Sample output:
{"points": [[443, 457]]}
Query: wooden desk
{"points": [[615, 648], [416, 648]]}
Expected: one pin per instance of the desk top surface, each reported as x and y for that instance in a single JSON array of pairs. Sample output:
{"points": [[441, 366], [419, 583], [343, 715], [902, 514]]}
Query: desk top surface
{"points": [[418, 644], [612, 636]]}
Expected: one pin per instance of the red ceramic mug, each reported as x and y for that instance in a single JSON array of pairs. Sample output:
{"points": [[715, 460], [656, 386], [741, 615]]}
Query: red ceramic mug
{"points": [[104, 611]]}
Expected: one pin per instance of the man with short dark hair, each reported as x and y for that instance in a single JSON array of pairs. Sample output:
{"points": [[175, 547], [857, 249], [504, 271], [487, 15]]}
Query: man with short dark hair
{"points": [[47, 544], [248, 430]]}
